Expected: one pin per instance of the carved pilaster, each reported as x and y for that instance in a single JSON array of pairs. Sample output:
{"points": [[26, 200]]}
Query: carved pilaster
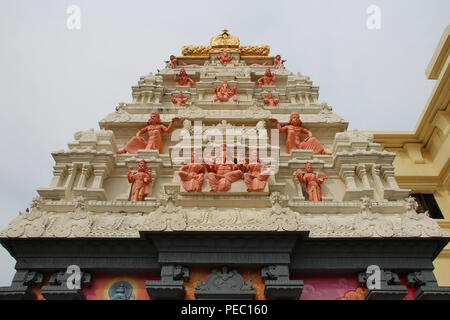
{"points": [[20, 288], [58, 289], [428, 286], [348, 173], [278, 286], [362, 174], [390, 287], [171, 285], [71, 174], [86, 171], [59, 173]]}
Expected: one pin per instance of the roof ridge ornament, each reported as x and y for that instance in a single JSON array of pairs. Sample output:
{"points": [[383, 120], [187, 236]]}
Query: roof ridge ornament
{"points": [[225, 42]]}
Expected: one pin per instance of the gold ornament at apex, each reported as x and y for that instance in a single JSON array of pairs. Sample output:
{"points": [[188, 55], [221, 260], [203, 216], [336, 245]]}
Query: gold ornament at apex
{"points": [[225, 41]]}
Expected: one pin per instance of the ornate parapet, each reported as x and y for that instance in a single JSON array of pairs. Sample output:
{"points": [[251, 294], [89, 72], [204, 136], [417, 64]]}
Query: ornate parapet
{"points": [[92, 219], [224, 285]]}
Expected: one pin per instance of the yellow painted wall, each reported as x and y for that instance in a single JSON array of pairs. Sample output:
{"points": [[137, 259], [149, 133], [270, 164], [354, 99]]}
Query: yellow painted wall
{"points": [[422, 161]]}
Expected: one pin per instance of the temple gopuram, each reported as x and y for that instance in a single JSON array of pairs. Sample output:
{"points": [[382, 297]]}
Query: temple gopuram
{"points": [[224, 178]]}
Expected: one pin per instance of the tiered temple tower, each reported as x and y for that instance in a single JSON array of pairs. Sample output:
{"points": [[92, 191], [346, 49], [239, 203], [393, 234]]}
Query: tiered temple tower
{"points": [[269, 206]]}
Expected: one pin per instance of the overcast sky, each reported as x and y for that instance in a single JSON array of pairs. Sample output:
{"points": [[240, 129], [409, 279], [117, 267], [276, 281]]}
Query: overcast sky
{"points": [[55, 81]]}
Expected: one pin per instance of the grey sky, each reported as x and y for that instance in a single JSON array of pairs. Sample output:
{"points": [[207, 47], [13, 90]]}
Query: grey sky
{"points": [[54, 82]]}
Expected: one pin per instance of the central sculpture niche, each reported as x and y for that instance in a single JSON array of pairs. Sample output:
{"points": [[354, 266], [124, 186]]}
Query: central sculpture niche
{"points": [[223, 172]]}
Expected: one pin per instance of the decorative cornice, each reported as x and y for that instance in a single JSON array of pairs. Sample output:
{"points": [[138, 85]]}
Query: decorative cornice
{"points": [[81, 223]]}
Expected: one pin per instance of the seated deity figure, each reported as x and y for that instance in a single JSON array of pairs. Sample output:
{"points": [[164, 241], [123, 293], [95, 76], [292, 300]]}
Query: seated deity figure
{"points": [[257, 174], [182, 79], [268, 79], [192, 175], [154, 130], [225, 57], [140, 181], [224, 92], [277, 62], [312, 182], [270, 100], [294, 131], [223, 172], [180, 99], [172, 62]]}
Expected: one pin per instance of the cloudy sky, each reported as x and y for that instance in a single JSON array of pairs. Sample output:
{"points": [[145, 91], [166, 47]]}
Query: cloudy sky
{"points": [[55, 81]]}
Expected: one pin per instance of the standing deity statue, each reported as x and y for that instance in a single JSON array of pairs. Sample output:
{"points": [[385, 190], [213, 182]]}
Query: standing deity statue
{"points": [[277, 62], [172, 62], [140, 181], [180, 99], [268, 79], [257, 174], [224, 58], [270, 100], [192, 175], [223, 172], [294, 131], [312, 182], [154, 130], [224, 92], [182, 79]]}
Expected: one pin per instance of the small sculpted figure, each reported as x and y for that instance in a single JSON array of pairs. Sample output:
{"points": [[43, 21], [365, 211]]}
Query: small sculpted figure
{"points": [[180, 99], [140, 181], [268, 79], [277, 62], [294, 131], [225, 57], [172, 62], [192, 175], [257, 174], [224, 92], [222, 173], [154, 130], [182, 79], [312, 182], [270, 100]]}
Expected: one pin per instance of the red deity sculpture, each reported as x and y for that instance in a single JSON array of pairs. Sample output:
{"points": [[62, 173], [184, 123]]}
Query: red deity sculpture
{"points": [[257, 174], [140, 181], [224, 92], [192, 175], [270, 100], [312, 182], [268, 79], [224, 58], [222, 173], [154, 130], [172, 62], [277, 62], [294, 131], [180, 99], [182, 79]]}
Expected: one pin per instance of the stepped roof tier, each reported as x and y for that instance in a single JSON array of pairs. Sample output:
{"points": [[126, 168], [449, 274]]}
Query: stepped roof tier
{"points": [[311, 177]]}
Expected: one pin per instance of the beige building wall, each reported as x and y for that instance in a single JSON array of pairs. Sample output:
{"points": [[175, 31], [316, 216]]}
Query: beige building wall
{"points": [[422, 163]]}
